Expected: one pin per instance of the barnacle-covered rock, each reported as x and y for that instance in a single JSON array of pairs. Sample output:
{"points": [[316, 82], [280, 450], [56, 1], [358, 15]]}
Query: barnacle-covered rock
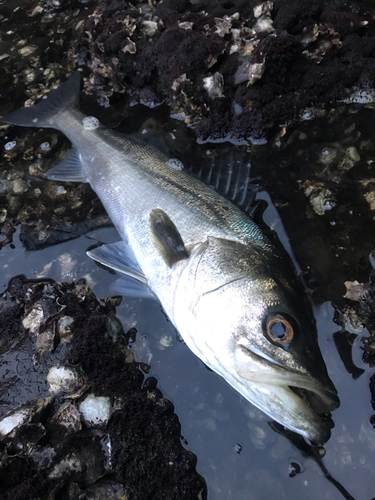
{"points": [[359, 312], [289, 70], [31, 412], [67, 381], [65, 421], [104, 489], [26, 439], [95, 410], [34, 320], [55, 449], [214, 85], [65, 327], [85, 457]]}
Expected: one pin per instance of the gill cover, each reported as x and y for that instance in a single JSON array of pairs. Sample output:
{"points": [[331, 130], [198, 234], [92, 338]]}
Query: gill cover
{"points": [[246, 303]]}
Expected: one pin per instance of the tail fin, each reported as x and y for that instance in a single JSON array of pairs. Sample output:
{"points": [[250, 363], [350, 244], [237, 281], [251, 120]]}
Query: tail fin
{"points": [[43, 113]]}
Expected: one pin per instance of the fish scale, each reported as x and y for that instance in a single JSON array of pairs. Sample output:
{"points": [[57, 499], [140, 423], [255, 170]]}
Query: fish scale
{"points": [[219, 279]]}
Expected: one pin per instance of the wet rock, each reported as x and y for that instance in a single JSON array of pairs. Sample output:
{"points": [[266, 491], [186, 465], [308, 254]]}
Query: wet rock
{"points": [[64, 422], [48, 452], [95, 411], [31, 412], [19, 186], [288, 70], [67, 381]]}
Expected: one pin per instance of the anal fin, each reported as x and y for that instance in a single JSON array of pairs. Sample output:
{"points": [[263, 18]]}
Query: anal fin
{"points": [[70, 169], [166, 238]]}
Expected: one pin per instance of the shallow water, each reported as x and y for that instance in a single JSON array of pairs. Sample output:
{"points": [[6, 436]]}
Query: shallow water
{"points": [[239, 455]]}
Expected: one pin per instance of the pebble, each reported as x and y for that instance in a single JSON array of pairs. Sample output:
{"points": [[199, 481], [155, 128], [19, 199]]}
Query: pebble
{"points": [[353, 154], [165, 342], [3, 215], [28, 50], [19, 186], [10, 145], [4, 185]]}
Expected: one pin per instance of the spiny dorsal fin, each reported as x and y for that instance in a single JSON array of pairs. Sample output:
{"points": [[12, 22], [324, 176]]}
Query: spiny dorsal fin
{"points": [[227, 171], [229, 174], [166, 237]]}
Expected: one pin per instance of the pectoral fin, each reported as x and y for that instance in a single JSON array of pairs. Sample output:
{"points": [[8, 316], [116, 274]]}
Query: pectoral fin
{"points": [[131, 287], [166, 238], [120, 257]]}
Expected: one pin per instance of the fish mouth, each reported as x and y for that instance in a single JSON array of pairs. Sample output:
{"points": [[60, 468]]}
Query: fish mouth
{"points": [[321, 405], [301, 395], [320, 397]]}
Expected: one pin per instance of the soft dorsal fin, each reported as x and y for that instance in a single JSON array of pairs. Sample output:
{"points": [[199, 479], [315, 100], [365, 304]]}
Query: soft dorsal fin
{"points": [[166, 237], [228, 172]]}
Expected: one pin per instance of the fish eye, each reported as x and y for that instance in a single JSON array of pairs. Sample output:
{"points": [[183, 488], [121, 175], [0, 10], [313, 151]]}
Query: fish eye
{"points": [[279, 329]]}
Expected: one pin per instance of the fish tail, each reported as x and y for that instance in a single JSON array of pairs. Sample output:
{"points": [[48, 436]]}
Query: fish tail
{"points": [[44, 113]]}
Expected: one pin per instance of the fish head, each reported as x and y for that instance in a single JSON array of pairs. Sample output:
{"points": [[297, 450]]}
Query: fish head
{"points": [[251, 323]]}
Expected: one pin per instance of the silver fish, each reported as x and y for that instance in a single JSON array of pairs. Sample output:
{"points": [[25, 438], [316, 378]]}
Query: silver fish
{"points": [[225, 287]]}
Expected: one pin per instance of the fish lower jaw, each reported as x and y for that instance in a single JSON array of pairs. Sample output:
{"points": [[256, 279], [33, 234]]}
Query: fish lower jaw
{"points": [[283, 405]]}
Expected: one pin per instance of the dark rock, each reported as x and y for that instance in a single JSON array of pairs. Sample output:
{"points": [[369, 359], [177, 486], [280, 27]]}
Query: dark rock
{"points": [[50, 453], [312, 55]]}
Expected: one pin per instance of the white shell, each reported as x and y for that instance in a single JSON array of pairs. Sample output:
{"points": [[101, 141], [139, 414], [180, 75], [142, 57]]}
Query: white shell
{"points": [[90, 123]]}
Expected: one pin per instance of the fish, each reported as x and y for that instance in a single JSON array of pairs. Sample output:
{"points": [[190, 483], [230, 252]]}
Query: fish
{"points": [[227, 289]]}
